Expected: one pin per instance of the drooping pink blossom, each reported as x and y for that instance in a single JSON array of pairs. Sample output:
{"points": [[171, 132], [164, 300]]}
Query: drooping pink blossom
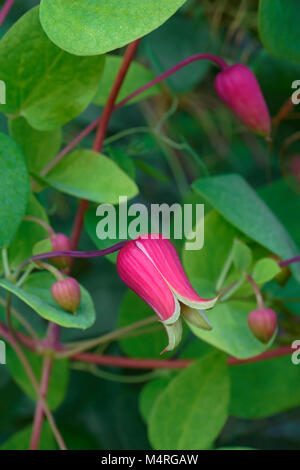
{"points": [[151, 267]]}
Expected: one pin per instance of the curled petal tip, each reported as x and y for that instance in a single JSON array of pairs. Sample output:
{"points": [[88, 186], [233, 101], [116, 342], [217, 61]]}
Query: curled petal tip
{"points": [[174, 332]]}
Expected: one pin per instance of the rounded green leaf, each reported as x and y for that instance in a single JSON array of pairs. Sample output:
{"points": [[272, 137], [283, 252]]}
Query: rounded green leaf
{"points": [[137, 76], [283, 16], [264, 270], [191, 411], [44, 84], [88, 175], [36, 293], [89, 27], [14, 184]]}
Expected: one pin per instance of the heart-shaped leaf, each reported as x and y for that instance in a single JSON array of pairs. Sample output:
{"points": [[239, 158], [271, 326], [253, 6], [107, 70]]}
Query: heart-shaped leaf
{"points": [[44, 84]]}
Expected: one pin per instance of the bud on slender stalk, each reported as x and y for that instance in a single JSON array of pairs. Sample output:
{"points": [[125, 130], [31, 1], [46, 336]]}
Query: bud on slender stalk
{"points": [[263, 323], [67, 294], [238, 87], [60, 242]]}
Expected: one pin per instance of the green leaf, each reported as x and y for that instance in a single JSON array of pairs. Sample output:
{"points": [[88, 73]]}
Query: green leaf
{"points": [[242, 207], [181, 37], [88, 175], [192, 409], [28, 234], [150, 393], [265, 270], [276, 92], [44, 84], [123, 161], [21, 439], [97, 26], [137, 76], [14, 183], [285, 203], [36, 293], [134, 309], [208, 262], [39, 147], [58, 380], [242, 256], [230, 331], [280, 15], [264, 388], [43, 246]]}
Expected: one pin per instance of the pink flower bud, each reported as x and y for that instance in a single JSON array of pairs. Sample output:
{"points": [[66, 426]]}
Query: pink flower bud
{"points": [[263, 323], [238, 87], [67, 294], [151, 267], [60, 242]]}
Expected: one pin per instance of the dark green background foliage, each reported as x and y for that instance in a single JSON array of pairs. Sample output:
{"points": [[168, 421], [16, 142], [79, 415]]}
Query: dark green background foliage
{"points": [[175, 143]]}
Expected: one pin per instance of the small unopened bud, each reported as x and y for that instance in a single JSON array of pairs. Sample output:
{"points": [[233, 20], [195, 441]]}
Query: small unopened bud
{"points": [[238, 87], [67, 294], [60, 242], [263, 323]]}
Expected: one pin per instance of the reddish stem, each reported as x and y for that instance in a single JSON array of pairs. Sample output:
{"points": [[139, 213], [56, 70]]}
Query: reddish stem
{"points": [[39, 410], [289, 261], [101, 132], [272, 354], [109, 107], [135, 363], [52, 341], [257, 292], [218, 60], [5, 10]]}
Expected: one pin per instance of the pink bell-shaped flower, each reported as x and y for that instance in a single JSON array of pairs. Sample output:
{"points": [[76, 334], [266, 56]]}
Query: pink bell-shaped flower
{"points": [[238, 87], [151, 267]]}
